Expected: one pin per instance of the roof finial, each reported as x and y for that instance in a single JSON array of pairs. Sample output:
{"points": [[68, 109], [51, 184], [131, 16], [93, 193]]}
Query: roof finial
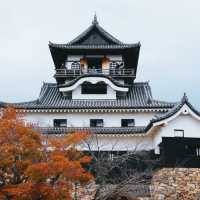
{"points": [[184, 98], [95, 21]]}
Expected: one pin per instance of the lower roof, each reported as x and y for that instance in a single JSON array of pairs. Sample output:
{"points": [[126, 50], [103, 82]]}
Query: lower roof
{"points": [[138, 97], [96, 130]]}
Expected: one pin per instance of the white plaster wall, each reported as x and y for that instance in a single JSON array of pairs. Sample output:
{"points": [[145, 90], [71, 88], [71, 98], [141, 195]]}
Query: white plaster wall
{"points": [[118, 143], [188, 123], [74, 57], [76, 94], [115, 57], [83, 119]]}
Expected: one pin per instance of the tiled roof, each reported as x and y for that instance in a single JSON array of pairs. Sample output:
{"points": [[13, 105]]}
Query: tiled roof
{"points": [[110, 43], [175, 109], [172, 111], [100, 29], [139, 96], [99, 130]]}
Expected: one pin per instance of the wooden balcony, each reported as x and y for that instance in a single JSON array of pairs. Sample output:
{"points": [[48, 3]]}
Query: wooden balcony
{"points": [[111, 72]]}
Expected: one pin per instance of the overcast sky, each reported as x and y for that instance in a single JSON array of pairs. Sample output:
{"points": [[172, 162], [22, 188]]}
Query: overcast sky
{"points": [[169, 32]]}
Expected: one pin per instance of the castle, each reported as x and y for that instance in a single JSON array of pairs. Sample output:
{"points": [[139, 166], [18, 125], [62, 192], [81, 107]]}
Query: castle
{"points": [[95, 91]]}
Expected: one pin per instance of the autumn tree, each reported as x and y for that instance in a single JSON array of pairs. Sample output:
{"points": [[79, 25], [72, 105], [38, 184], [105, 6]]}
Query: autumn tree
{"points": [[34, 167]]}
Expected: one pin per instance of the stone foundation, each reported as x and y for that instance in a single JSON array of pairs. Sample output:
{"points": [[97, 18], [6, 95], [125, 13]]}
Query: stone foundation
{"points": [[175, 184], [167, 184]]}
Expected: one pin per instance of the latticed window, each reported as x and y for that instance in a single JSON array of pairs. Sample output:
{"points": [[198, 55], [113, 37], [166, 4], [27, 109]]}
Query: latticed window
{"points": [[178, 133], [113, 65], [75, 65]]}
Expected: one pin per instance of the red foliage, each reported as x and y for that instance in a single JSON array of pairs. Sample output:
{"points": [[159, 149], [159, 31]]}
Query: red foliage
{"points": [[34, 167]]}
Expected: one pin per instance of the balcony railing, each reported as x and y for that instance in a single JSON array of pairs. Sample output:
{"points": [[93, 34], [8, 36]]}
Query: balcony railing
{"points": [[111, 72]]}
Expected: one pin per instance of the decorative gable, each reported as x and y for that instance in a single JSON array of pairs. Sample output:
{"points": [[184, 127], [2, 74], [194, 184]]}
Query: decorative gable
{"points": [[95, 35]]}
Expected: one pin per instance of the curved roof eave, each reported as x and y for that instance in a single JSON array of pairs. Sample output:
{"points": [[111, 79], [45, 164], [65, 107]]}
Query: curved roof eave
{"points": [[70, 83], [94, 80]]}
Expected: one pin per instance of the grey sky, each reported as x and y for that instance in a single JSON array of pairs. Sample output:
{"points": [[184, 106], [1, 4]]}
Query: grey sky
{"points": [[169, 31]]}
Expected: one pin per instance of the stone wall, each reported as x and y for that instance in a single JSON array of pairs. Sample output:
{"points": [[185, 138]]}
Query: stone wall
{"points": [[167, 184], [176, 184]]}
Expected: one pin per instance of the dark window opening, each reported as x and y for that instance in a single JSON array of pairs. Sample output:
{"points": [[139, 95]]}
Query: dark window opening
{"points": [[89, 88], [127, 122], [60, 122], [96, 123], [178, 133], [94, 64], [75, 65]]}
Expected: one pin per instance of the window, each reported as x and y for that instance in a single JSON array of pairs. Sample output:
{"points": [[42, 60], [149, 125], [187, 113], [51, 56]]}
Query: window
{"points": [[116, 64], [60, 122], [198, 151], [89, 88], [127, 122], [75, 65], [113, 65], [96, 123], [178, 133], [111, 156], [94, 64]]}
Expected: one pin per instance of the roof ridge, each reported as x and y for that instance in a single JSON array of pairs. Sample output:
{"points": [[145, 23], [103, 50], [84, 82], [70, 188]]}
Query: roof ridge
{"points": [[108, 34], [186, 101], [81, 35], [49, 83]]}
